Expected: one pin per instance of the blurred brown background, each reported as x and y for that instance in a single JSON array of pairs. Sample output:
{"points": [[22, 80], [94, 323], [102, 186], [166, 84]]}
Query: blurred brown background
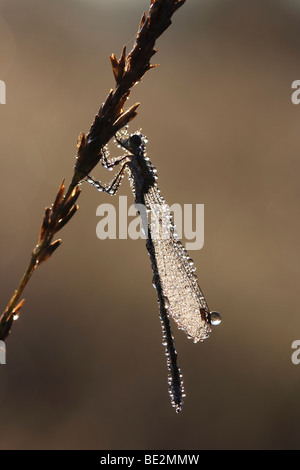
{"points": [[85, 366]]}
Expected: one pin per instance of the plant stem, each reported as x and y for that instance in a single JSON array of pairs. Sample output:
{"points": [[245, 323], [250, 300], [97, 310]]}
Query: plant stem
{"points": [[34, 262]]}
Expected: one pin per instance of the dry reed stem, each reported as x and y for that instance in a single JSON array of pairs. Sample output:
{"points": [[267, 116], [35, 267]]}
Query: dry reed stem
{"points": [[111, 117]]}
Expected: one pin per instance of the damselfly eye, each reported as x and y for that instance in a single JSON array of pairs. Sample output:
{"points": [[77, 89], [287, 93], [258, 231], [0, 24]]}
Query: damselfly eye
{"points": [[215, 318]]}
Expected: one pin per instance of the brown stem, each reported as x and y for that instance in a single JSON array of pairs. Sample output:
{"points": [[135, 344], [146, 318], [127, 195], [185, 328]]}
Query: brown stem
{"points": [[7, 316], [128, 70]]}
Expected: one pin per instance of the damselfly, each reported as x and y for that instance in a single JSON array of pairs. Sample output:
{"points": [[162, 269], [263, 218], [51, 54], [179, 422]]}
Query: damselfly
{"points": [[174, 278]]}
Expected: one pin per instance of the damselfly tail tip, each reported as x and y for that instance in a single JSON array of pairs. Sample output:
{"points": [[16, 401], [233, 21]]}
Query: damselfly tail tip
{"points": [[178, 408], [177, 404], [177, 396]]}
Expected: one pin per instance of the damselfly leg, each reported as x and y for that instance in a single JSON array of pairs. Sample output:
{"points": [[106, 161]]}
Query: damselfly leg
{"points": [[113, 186]]}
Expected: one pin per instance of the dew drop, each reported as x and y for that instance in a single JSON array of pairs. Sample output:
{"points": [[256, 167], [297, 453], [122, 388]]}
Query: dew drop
{"points": [[215, 318]]}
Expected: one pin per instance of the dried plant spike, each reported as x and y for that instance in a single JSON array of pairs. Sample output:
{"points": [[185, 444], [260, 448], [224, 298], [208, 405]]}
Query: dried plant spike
{"points": [[143, 19], [118, 66], [75, 193], [81, 140], [115, 67], [125, 118], [110, 118], [45, 224], [59, 196], [6, 322], [66, 219], [49, 250], [103, 108], [128, 71], [143, 25], [16, 310], [178, 4], [70, 202], [122, 60], [119, 108]]}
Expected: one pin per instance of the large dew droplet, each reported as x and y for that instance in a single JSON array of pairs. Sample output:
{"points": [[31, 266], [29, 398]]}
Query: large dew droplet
{"points": [[215, 318]]}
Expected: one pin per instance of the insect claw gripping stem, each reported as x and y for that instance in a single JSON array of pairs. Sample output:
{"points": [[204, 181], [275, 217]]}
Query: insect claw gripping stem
{"points": [[111, 188]]}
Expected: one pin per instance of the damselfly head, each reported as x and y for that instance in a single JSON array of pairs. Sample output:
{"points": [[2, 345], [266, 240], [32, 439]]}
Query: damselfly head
{"points": [[134, 143], [135, 140], [215, 318]]}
